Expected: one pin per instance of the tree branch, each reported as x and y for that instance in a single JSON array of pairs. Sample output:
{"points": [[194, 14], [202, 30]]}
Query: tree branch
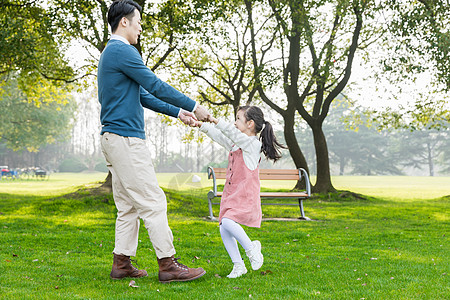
{"points": [[258, 68], [191, 69], [353, 47], [166, 54]]}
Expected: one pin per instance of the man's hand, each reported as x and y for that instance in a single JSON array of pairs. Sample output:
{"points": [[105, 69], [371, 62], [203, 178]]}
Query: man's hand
{"points": [[187, 117], [202, 114]]}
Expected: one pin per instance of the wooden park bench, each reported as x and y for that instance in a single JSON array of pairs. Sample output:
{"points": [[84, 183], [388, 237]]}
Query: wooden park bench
{"points": [[265, 174]]}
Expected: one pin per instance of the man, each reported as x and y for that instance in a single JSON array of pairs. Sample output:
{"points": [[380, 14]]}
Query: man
{"points": [[125, 86]]}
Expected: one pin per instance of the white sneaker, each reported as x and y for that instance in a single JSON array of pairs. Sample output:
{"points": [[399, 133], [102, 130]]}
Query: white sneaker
{"points": [[255, 255], [238, 271]]}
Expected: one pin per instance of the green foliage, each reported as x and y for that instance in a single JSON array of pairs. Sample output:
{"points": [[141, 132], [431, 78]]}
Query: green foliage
{"points": [[35, 103], [31, 123], [421, 28], [358, 144], [80, 20], [444, 159], [425, 114], [28, 50], [424, 148], [101, 167], [353, 144], [72, 165]]}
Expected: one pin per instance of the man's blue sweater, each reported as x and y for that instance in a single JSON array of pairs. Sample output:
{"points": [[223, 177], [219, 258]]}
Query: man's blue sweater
{"points": [[126, 85]]}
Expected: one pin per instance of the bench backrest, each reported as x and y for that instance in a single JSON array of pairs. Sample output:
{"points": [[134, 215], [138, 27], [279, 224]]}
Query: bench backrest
{"points": [[264, 174]]}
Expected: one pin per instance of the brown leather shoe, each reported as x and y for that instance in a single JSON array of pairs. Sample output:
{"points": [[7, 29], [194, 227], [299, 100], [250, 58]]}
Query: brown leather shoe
{"points": [[122, 268], [171, 270]]}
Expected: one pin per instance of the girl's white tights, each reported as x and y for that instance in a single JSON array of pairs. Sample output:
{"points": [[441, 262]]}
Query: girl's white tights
{"points": [[230, 232]]}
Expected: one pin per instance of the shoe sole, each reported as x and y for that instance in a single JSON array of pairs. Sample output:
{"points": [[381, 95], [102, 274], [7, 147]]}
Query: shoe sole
{"points": [[238, 276], [183, 280]]}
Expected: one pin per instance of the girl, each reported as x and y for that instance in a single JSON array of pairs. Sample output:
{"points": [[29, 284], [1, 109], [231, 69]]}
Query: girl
{"points": [[240, 203]]}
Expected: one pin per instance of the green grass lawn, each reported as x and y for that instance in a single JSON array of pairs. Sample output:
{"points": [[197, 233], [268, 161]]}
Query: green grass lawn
{"points": [[392, 245]]}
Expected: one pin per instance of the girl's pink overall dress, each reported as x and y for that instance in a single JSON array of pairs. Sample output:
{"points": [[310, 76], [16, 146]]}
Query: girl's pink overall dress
{"points": [[240, 200]]}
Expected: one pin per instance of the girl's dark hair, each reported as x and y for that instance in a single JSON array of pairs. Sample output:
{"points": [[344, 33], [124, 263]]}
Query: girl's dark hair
{"points": [[120, 9], [270, 146]]}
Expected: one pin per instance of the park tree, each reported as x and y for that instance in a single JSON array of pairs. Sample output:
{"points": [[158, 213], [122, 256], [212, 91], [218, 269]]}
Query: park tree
{"points": [[31, 124], [29, 53], [359, 148], [373, 154], [429, 112], [444, 148], [416, 50], [419, 131], [316, 45], [217, 57], [420, 148], [312, 49], [274, 41], [35, 104], [343, 141], [303, 48]]}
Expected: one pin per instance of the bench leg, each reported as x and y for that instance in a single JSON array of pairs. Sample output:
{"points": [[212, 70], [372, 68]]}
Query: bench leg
{"points": [[211, 216], [302, 217]]}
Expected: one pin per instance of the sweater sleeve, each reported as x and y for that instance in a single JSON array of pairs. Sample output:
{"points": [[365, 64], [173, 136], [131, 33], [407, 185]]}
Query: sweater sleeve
{"points": [[216, 135], [133, 66], [151, 102], [232, 138], [240, 139]]}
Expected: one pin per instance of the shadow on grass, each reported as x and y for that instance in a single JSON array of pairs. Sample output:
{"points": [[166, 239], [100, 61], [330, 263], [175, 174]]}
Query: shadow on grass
{"points": [[193, 203]]}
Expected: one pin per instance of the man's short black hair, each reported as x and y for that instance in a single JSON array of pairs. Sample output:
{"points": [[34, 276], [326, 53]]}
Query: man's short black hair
{"points": [[120, 9]]}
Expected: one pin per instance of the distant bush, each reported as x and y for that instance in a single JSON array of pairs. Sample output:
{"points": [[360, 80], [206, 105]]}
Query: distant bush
{"points": [[72, 165], [101, 167]]}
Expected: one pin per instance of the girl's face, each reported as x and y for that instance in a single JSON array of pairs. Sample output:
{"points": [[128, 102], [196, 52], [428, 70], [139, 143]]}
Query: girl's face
{"points": [[243, 125]]}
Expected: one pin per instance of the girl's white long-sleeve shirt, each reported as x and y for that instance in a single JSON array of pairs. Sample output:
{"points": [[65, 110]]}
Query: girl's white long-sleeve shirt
{"points": [[232, 139]]}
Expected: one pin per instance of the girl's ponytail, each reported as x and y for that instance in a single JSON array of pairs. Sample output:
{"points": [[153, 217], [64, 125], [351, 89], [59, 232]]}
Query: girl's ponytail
{"points": [[270, 145]]}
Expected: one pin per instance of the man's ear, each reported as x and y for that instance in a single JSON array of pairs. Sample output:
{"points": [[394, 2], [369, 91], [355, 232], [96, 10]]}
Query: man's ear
{"points": [[124, 21]]}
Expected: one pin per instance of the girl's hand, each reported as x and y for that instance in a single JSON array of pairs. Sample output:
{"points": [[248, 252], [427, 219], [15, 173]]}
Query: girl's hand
{"points": [[196, 124]]}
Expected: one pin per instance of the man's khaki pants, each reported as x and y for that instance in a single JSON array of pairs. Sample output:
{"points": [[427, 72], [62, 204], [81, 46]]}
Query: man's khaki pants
{"points": [[136, 195]]}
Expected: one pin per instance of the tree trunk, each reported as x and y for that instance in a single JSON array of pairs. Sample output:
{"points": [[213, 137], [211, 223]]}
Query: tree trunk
{"points": [[294, 148], [341, 166], [108, 182], [199, 155], [430, 159], [323, 182]]}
